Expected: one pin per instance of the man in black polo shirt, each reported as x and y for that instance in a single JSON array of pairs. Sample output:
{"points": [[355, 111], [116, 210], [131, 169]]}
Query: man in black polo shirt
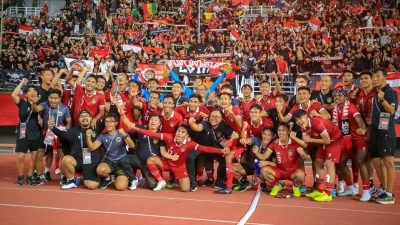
{"points": [[28, 131], [382, 143], [325, 94]]}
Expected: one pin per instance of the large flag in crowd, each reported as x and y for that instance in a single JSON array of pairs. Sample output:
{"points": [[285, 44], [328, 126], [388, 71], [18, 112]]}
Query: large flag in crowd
{"points": [[148, 71]]}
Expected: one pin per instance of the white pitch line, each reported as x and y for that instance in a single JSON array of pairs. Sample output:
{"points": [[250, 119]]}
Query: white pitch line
{"points": [[121, 213], [251, 209]]}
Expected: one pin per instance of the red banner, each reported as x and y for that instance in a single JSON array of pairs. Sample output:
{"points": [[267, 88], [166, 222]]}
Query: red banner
{"points": [[8, 111], [148, 71], [101, 53]]}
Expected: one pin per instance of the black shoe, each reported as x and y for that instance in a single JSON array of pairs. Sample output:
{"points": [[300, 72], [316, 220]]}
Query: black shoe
{"points": [[219, 185], [20, 180], [37, 181], [47, 177], [193, 186], [63, 180], [209, 182], [263, 187], [28, 180], [224, 191], [104, 183], [244, 186]]}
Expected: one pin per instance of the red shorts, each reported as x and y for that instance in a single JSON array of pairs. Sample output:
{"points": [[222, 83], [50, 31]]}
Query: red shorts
{"points": [[283, 174], [330, 152], [179, 171], [357, 145]]}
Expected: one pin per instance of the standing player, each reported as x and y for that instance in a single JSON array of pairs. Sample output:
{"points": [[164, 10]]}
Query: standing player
{"points": [[324, 96], [246, 102], [193, 109], [267, 97], [170, 119]]}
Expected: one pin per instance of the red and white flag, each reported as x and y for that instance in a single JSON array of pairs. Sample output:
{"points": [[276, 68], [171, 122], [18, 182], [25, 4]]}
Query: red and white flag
{"points": [[315, 23], [234, 35], [393, 80], [25, 30], [148, 71]]}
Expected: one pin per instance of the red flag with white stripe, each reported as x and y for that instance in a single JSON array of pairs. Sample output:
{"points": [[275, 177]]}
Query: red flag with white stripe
{"points": [[234, 35], [315, 23], [25, 30]]}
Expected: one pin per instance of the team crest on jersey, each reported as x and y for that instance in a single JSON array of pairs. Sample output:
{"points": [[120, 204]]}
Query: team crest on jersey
{"points": [[155, 141], [183, 149], [290, 152], [93, 101], [329, 99], [171, 124], [59, 113], [118, 139]]}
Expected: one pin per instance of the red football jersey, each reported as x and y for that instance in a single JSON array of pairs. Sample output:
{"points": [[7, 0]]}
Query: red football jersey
{"points": [[268, 102], [255, 130], [312, 105], [319, 125], [147, 112], [353, 111], [286, 155], [169, 125], [184, 111], [245, 107], [364, 104], [229, 120], [85, 102]]}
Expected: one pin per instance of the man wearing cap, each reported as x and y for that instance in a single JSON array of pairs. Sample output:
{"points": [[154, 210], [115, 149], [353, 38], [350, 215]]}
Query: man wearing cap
{"points": [[347, 117]]}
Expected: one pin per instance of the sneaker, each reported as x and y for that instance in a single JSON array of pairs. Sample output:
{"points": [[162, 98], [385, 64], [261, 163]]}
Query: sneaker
{"points": [[208, 182], [282, 183], [104, 182], [28, 180], [333, 193], [141, 181], [275, 190], [224, 191], [323, 197], [244, 186], [372, 190], [341, 186], [236, 187], [296, 191], [57, 171], [193, 187], [386, 200], [314, 194], [263, 187], [160, 185], [366, 196], [37, 181], [351, 191], [218, 186], [63, 180], [303, 189], [69, 184], [47, 176], [170, 184], [380, 193], [134, 184], [20, 180]]}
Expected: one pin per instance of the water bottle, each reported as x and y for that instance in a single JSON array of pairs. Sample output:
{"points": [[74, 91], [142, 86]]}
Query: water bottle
{"points": [[257, 167], [119, 102]]}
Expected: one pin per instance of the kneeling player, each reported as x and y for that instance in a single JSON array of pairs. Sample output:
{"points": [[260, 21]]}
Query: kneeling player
{"points": [[286, 166]]}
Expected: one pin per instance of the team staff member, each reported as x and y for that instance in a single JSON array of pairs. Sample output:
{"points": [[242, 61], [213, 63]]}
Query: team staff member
{"points": [[382, 143], [80, 158], [28, 131], [328, 138], [324, 96], [178, 148], [177, 94], [115, 142]]}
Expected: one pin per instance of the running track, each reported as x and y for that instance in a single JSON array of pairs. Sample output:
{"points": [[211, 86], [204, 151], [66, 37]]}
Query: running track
{"points": [[48, 204]]}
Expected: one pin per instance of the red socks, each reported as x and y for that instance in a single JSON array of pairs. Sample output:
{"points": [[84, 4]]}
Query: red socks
{"points": [[229, 175], [328, 188], [154, 171], [320, 184], [365, 185]]}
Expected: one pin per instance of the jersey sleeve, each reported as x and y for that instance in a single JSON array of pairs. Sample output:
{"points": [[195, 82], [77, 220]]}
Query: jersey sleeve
{"points": [[317, 106], [318, 126], [353, 110], [203, 148], [293, 110]]}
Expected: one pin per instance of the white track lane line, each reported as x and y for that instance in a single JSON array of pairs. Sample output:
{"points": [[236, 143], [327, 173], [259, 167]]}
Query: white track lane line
{"points": [[121, 213], [252, 207]]}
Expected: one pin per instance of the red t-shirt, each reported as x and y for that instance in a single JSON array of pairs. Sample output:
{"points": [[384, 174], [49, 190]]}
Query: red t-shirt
{"points": [[184, 111], [85, 102], [229, 120], [169, 125], [268, 102], [245, 107], [68, 99], [286, 155], [255, 130], [314, 105], [147, 112], [319, 125], [364, 104], [353, 111]]}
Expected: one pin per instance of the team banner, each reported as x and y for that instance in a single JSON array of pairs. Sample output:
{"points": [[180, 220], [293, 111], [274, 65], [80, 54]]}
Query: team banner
{"points": [[195, 67], [148, 71], [214, 55], [81, 63], [11, 78], [137, 48], [333, 58]]}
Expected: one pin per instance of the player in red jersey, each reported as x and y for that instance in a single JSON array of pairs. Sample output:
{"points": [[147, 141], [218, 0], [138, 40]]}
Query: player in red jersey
{"points": [[170, 119], [286, 166], [256, 126], [150, 108], [267, 97], [193, 109], [328, 138], [246, 102], [347, 117], [232, 114], [313, 108], [87, 98], [174, 158], [364, 103]]}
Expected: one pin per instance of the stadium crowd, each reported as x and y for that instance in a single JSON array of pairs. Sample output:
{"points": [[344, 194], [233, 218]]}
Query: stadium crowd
{"points": [[108, 125]]}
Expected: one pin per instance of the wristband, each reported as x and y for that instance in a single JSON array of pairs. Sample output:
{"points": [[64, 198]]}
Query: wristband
{"points": [[126, 136]]}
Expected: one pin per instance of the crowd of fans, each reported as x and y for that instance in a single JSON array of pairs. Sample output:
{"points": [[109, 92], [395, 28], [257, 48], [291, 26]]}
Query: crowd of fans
{"points": [[353, 36]]}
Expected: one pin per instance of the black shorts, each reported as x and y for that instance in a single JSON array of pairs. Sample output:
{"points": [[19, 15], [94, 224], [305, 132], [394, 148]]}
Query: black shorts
{"points": [[249, 169], [88, 170], [113, 165], [24, 145], [119, 172], [41, 145], [381, 144]]}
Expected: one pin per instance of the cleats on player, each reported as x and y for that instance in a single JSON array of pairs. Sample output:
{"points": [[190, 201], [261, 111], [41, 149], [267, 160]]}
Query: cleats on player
{"points": [[323, 197], [314, 194], [351, 191], [296, 191], [160, 185], [275, 190], [134, 184], [366, 196]]}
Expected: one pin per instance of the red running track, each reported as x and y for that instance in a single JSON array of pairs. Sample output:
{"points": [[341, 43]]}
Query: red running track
{"points": [[48, 204]]}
